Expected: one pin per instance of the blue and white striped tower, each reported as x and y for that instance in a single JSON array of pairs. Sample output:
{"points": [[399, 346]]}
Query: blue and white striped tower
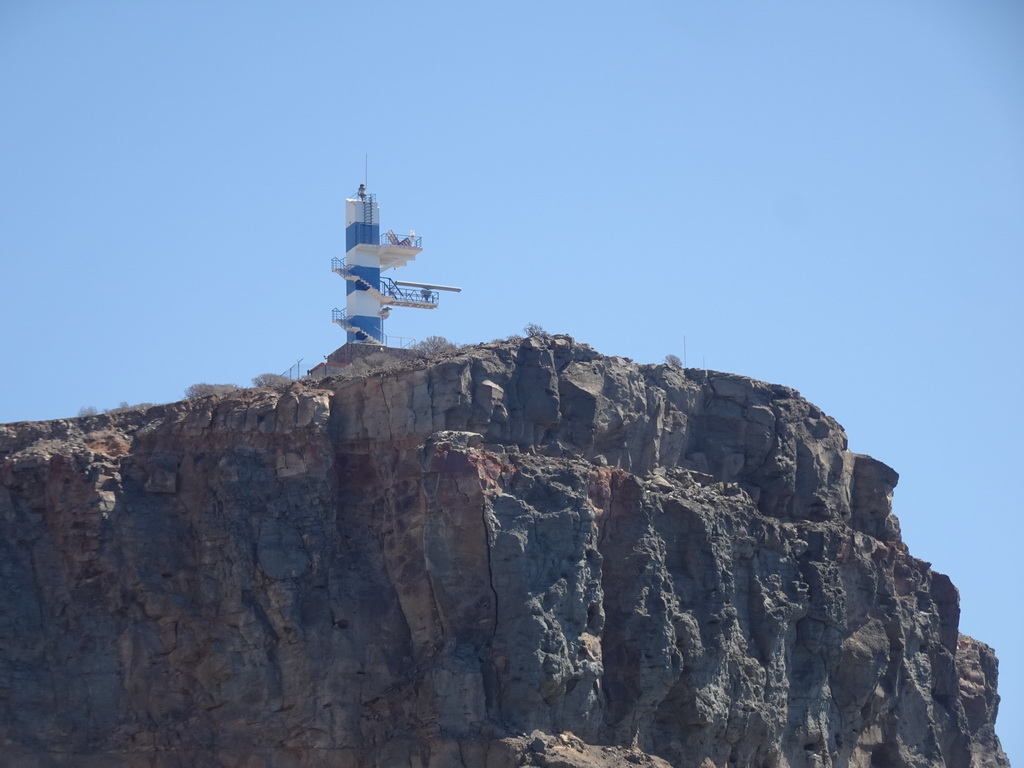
{"points": [[370, 297]]}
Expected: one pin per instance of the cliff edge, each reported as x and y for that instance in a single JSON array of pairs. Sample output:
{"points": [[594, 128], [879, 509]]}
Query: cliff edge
{"points": [[524, 553]]}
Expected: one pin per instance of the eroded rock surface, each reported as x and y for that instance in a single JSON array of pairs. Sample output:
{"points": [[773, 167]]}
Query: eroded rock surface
{"points": [[522, 554]]}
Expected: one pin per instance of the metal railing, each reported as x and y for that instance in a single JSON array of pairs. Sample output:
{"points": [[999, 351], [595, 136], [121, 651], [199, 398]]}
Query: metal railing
{"points": [[340, 317], [399, 342], [389, 289], [395, 241], [408, 241], [421, 296]]}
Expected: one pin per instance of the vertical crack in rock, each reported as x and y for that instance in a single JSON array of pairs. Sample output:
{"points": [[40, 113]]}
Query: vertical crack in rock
{"points": [[387, 410]]}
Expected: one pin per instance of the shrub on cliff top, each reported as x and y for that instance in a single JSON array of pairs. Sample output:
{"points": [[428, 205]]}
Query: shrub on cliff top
{"points": [[271, 380], [125, 406], [433, 345], [202, 390]]}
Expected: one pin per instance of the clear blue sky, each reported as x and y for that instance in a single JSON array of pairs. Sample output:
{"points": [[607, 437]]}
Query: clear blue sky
{"points": [[823, 195]]}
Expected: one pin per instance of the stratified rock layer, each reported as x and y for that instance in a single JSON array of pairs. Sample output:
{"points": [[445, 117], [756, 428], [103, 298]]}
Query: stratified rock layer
{"points": [[522, 554]]}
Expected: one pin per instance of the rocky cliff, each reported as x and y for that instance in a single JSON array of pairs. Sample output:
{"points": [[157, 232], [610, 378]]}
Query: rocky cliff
{"points": [[520, 554]]}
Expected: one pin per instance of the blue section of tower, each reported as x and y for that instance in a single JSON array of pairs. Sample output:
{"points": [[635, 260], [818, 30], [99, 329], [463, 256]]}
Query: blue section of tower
{"points": [[358, 232], [368, 276], [370, 327]]}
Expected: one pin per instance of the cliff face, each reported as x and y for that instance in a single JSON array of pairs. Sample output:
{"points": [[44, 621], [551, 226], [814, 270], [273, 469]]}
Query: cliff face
{"points": [[523, 554]]}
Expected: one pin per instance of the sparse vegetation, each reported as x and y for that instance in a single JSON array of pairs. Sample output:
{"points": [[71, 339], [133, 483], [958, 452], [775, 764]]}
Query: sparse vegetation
{"points": [[122, 407], [271, 380], [126, 406], [674, 361], [533, 329], [202, 390], [433, 345]]}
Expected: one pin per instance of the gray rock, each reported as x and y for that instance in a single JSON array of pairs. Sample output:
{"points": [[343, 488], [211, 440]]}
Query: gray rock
{"points": [[632, 564]]}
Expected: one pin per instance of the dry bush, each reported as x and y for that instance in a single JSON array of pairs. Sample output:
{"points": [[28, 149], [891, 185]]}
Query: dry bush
{"points": [[271, 380], [433, 345], [124, 407], [204, 390]]}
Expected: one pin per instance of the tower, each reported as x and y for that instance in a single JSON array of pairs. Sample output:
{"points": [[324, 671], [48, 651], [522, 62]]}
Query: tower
{"points": [[369, 296]]}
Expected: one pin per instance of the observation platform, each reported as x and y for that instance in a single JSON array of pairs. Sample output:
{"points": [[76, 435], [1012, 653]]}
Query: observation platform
{"points": [[392, 250], [388, 292]]}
